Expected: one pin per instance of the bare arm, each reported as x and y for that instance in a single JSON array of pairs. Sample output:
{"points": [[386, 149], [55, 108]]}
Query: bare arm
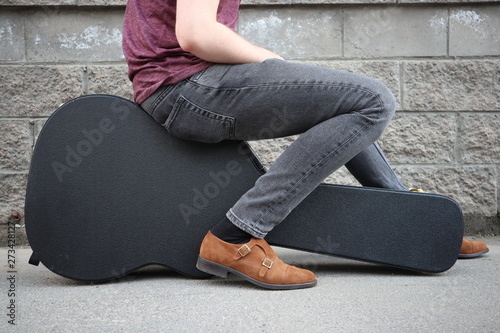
{"points": [[198, 32]]}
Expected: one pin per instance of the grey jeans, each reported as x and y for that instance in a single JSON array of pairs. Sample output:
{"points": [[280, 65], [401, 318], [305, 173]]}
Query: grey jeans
{"points": [[339, 115]]}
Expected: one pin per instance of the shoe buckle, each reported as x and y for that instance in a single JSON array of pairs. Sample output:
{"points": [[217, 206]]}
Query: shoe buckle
{"points": [[267, 262], [244, 250]]}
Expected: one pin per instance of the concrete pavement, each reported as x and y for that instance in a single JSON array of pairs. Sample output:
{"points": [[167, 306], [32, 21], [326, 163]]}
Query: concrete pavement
{"points": [[350, 297]]}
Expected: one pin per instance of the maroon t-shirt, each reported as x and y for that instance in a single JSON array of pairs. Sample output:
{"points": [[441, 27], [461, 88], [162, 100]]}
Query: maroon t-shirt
{"points": [[151, 49]]}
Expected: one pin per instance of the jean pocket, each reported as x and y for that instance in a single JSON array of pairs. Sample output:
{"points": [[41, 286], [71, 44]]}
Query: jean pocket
{"points": [[188, 121]]}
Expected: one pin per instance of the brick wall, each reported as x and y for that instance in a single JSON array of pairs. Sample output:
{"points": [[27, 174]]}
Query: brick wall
{"points": [[439, 57]]}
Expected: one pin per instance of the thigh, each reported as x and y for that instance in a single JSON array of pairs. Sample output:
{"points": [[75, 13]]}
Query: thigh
{"points": [[263, 100]]}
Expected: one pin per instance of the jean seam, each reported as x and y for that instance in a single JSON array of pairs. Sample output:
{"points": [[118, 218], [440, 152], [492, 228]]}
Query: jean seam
{"points": [[285, 85], [197, 76], [178, 103], [227, 122], [159, 99], [253, 230]]}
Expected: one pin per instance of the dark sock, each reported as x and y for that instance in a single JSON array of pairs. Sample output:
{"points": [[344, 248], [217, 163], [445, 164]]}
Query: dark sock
{"points": [[230, 233]]}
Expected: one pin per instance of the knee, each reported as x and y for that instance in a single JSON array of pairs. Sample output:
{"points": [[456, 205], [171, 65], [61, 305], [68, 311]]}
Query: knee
{"points": [[387, 98], [389, 102], [385, 101]]}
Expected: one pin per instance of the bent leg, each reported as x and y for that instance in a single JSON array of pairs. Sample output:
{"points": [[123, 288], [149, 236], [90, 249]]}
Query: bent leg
{"points": [[339, 115]]}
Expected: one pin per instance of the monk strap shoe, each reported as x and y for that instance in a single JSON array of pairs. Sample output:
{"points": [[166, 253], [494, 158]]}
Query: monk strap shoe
{"points": [[254, 261]]}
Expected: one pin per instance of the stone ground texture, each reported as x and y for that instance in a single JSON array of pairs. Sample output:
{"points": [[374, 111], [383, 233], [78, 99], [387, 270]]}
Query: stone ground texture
{"points": [[350, 297]]}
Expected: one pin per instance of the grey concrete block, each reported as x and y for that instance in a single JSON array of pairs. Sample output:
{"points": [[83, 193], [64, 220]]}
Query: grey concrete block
{"points": [[395, 32], [315, 2], [475, 31], [112, 80], [481, 225], [19, 233], [342, 176], [479, 138], [420, 138], [294, 33], [42, 3], [11, 36], [340, 2], [451, 85], [473, 187], [266, 2], [37, 127], [15, 145], [269, 150], [57, 3], [12, 192], [424, 2], [69, 35], [31, 91], [387, 72], [102, 3], [498, 194]]}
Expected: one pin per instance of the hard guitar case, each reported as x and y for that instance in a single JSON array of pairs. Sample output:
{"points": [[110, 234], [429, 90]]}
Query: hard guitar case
{"points": [[110, 191]]}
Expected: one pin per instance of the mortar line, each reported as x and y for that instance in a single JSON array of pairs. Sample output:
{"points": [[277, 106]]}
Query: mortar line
{"points": [[456, 145], [342, 32], [448, 32], [85, 85], [401, 85], [25, 53]]}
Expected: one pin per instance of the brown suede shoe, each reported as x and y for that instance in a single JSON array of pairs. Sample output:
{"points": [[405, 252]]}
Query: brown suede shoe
{"points": [[472, 249], [255, 261]]}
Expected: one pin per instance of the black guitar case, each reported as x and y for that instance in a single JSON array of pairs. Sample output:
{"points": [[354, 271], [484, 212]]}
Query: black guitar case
{"points": [[110, 191]]}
